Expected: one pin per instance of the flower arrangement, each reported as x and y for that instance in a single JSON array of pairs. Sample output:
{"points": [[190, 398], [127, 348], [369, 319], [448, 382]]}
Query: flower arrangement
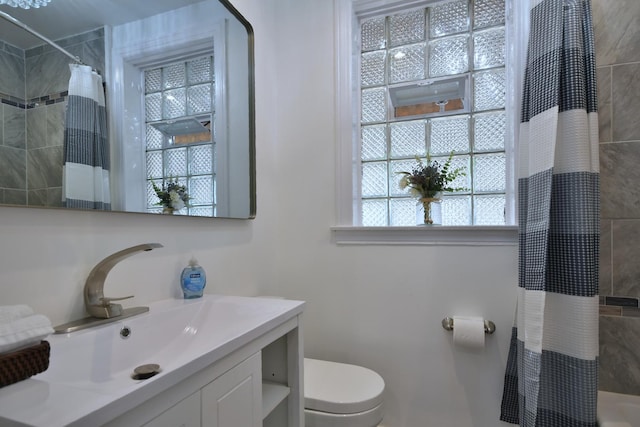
{"points": [[427, 180], [172, 195]]}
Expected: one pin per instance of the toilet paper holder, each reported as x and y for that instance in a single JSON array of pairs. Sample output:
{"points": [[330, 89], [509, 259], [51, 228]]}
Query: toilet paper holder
{"points": [[489, 326]]}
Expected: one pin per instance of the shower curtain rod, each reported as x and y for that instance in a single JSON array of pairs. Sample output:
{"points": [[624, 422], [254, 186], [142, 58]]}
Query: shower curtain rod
{"points": [[40, 36]]}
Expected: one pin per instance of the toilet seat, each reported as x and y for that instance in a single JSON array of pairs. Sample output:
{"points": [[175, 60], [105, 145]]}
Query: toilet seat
{"points": [[340, 388]]}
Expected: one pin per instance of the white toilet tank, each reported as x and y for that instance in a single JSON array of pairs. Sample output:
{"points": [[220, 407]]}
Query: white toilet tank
{"points": [[341, 395]]}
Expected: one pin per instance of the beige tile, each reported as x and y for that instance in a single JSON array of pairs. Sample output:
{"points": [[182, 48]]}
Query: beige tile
{"points": [[616, 25], [610, 310]]}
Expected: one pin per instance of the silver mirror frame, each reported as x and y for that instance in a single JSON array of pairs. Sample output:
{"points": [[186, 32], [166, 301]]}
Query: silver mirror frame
{"points": [[252, 105]]}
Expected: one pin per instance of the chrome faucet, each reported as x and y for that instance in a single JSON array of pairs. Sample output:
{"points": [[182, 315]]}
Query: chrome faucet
{"points": [[95, 302]]}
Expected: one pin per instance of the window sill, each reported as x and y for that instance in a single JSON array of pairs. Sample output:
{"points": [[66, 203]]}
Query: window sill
{"points": [[427, 235]]}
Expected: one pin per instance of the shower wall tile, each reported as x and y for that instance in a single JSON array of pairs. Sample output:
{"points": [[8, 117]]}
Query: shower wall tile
{"points": [[16, 51], [14, 132], [619, 175], [47, 73], [12, 167], [49, 197], [37, 128], [605, 283], [93, 54], [615, 24], [54, 197], [603, 75], [626, 252], [619, 354], [617, 40], [38, 197], [85, 37], [12, 74], [44, 168], [54, 65], [55, 124], [15, 197], [625, 98]]}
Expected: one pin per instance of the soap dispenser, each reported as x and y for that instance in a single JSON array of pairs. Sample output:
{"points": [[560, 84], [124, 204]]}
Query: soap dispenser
{"points": [[193, 280]]}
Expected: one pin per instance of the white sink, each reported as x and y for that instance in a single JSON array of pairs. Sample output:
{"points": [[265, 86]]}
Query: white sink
{"points": [[91, 369], [99, 357], [171, 334]]}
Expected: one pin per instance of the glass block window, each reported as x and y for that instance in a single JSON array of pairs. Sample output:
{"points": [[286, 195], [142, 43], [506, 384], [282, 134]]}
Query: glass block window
{"points": [[447, 39], [181, 93]]}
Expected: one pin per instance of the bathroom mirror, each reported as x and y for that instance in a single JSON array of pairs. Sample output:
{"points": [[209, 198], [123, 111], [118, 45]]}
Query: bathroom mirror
{"points": [[178, 77]]}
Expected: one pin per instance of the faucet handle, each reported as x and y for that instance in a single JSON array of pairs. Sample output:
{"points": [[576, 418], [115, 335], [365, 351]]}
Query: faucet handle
{"points": [[106, 301]]}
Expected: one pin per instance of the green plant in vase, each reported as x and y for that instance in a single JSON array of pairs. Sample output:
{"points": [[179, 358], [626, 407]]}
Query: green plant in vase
{"points": [[428, 180], [172, 195]]}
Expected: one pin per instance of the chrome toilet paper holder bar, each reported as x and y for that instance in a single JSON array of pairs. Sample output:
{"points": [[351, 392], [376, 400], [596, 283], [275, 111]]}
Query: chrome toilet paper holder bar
{"points": [[489, 326]]}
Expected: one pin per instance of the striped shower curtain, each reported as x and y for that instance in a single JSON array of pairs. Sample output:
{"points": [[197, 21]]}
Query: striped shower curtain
{"points": [[551, 378], [85, 176]]}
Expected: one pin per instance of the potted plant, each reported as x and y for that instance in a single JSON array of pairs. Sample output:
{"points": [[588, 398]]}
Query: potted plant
{"points": [[173, 196], [429, 180]]}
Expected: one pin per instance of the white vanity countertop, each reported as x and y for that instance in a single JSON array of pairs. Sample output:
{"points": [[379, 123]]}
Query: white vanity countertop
{"points": [[89, 377]]}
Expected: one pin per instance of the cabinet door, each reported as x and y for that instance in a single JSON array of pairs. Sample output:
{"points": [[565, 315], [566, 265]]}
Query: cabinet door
{"points": [[184, 414], [235, 398]]}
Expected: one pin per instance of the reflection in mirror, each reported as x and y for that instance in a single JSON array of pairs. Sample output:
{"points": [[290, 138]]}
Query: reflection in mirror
{"points": [[178, 79]]}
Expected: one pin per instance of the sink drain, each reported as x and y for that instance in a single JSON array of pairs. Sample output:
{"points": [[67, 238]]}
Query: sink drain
{"points": [[144, 372]]}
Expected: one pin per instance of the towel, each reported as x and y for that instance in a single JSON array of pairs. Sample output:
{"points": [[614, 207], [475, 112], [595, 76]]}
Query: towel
{"points": [[9, 313], [23, 332]]}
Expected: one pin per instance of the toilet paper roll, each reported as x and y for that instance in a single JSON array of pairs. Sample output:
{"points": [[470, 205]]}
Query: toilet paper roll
{"points": [[468, 332]]}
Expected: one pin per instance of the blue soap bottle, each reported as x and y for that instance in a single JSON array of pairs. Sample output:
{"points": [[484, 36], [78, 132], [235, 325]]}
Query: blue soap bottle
{"points": [[193, 280]]}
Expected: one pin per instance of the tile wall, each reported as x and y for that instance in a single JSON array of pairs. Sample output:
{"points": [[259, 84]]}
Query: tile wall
{"points": [[33, 92], [13, 146], [617, 36]]}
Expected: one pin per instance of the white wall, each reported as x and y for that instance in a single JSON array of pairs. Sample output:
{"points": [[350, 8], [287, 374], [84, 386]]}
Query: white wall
{"points": [[378, 306], [46, 255]]}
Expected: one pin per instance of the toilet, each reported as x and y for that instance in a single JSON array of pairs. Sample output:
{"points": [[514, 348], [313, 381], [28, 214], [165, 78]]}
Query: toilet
{"points": [[341, 395]]}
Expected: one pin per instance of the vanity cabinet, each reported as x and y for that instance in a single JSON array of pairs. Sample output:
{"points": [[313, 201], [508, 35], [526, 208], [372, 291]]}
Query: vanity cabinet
{"points": [[225, 361], [234, 399], [184, 414], [259, 385]]}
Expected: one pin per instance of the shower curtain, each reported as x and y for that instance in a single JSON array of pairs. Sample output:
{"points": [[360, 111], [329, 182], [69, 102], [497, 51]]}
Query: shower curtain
{"points": [[85, 176], [551, 378]]}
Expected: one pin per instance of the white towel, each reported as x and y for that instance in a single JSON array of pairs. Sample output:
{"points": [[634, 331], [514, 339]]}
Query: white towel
{"points": [[24, 331], [9, 313]]}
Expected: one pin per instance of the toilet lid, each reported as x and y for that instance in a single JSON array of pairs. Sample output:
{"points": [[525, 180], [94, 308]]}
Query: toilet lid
{"points": [[340, 388]]}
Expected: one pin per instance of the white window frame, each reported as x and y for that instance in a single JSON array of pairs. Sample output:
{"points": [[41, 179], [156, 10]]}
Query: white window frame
{"points": [[348, 230]]}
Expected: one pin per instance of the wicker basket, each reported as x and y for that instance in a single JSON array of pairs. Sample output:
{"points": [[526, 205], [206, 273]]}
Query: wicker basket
{"points": [[24, 363]]}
